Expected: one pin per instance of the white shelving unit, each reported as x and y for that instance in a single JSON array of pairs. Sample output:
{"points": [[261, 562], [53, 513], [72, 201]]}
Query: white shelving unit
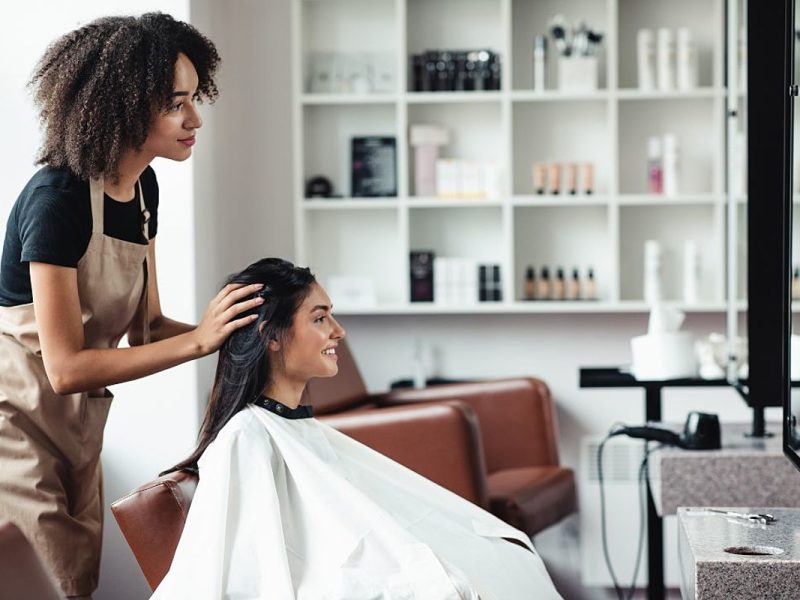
{"points": [[515, 126]]}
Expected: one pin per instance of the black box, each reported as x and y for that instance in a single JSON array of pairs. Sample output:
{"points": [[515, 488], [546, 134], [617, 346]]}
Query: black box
{"points": [[421, 269], [374, 167]]}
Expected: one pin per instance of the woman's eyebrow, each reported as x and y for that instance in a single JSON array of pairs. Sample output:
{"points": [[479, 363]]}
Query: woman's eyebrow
{"points": [[324, 307], [179, 93]]}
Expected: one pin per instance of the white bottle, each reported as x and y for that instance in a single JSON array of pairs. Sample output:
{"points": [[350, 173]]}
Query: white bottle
{"points": [[665, 56], [645, 60], [691, 272], [670, 164], [652, 272], [686, 60]]}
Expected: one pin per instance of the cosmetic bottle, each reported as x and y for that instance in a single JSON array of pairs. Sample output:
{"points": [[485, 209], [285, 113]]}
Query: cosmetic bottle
{"points": [[497, 284], [652, 272], [691, 272], [645, 59], [686, 58], [665, 56], [575, 285], [540, 63], [543, 285], [590, 293], [559, 285], [572, 179], [669, 162], [554, 178], [796, 284], [588, 178], [539, 178], [530, 283], [654, 166]]}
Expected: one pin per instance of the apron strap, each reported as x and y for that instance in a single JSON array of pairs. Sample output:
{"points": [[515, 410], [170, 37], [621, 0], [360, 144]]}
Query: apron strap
{"points": [[96, 196], [144, 301]]}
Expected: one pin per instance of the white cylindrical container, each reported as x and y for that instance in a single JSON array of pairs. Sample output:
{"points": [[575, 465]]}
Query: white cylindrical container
{"points": [[691, 272], [665, 58], [655, 166], [686, 58], [652, 272], [670, 164], [645, 59], [540, 63]]}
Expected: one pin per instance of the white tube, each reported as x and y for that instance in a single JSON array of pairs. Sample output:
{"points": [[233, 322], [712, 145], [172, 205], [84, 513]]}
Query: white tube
{"points": [[665, 55]]}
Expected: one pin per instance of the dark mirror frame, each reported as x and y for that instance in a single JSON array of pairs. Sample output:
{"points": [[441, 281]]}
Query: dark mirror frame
{"points": [[770, 121]]}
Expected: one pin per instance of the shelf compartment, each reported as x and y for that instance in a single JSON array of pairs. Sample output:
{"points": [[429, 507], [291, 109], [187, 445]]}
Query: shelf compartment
{"points": [[327, 134], [454, 25], [704, 20], [692, 122], [366, 244], [533, 18], [671, 226], [567, 237], [572, 132], [357, 28], [473, 233], [475, 133]]}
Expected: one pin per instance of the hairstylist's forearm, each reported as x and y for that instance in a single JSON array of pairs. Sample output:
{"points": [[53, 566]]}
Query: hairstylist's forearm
{"points": [[96, 368], [161, 328]]}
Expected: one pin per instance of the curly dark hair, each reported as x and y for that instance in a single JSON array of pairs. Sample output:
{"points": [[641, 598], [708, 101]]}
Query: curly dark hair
{"points": [[99, 87]]}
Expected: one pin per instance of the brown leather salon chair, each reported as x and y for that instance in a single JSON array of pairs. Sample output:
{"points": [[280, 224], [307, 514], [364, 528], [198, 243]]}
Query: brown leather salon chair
{"points": [[527, 487], [22, 573], [446, 449]]}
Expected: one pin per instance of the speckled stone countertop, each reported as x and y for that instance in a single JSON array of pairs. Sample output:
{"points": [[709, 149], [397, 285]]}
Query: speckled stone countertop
{"points": [[771, 570], [745, 472]]}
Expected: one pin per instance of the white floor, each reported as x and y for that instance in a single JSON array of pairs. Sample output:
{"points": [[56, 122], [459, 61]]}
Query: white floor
{"points": [[559, 547]]}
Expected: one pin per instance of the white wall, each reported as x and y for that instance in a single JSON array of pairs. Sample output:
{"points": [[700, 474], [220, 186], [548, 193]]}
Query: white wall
{"points": [[153, 422]]}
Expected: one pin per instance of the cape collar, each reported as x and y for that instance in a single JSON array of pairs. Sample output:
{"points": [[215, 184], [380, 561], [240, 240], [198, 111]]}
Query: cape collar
{"points": [[304, 411]]}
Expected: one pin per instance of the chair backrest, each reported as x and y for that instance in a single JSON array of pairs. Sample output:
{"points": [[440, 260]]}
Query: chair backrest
{"points": [[22, 574], [152, 518], [335, 394]]}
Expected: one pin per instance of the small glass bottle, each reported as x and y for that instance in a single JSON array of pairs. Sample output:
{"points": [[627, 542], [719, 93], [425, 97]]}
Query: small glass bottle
{"points": [[543, 285], [530, 283], [575, 285], [796, 284], [559, 286], [591, 286]]}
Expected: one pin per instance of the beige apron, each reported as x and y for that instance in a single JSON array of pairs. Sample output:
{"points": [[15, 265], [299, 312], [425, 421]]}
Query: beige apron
{"points": [[50, 476]]}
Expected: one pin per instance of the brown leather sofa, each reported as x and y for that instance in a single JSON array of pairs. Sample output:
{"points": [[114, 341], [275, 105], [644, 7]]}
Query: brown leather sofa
{"points": [[446, 449], [527, 487]]}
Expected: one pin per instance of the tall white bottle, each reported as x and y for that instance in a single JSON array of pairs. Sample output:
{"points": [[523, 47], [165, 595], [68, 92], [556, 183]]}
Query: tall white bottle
{"points": [[665, 57], [652, 272], [691, 272], [645, 60], [670, 164]]}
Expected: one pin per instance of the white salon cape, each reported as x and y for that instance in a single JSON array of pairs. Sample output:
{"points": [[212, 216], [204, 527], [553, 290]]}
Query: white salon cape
{"points": [[291, 509]]}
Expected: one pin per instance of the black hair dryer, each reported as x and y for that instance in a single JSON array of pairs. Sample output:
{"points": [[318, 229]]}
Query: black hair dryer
{"points": [[701, 432]]}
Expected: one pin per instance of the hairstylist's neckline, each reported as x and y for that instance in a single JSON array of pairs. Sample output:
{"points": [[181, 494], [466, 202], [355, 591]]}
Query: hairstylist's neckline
{"points": [[303, 411]]}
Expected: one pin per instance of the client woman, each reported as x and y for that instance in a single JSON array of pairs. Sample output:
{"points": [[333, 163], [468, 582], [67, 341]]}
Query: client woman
{"points": [[289, 508]]}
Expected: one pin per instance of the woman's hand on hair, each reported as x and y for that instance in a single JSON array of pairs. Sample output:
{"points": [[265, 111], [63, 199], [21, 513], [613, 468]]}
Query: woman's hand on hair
{"points": [[220, 319]]}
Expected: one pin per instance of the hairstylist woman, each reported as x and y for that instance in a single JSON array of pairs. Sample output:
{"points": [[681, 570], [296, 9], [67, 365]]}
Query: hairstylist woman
{"points": [[78, 272]]}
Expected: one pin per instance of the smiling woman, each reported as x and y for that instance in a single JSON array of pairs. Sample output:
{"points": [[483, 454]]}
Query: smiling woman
{"points": [[78, 271], [287, 507]]}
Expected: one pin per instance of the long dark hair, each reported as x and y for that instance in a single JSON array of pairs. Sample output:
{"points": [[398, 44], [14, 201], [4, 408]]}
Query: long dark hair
{"points": [[243, 367]]}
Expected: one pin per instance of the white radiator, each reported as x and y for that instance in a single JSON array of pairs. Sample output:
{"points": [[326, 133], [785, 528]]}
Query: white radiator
{"points": [[621, 459]]}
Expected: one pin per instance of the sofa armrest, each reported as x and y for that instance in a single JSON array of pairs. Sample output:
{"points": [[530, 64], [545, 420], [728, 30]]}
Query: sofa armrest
{"points": [[517, 418], [151, 519], [441, 442]]}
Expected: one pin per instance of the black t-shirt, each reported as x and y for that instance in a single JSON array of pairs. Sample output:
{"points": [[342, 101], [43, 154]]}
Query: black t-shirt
{"points": [[51, 222]]}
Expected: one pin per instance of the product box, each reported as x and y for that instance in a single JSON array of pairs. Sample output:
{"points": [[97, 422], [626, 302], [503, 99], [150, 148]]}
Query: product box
{"points": [[374, 167], [577, 73], [421, 270]]}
